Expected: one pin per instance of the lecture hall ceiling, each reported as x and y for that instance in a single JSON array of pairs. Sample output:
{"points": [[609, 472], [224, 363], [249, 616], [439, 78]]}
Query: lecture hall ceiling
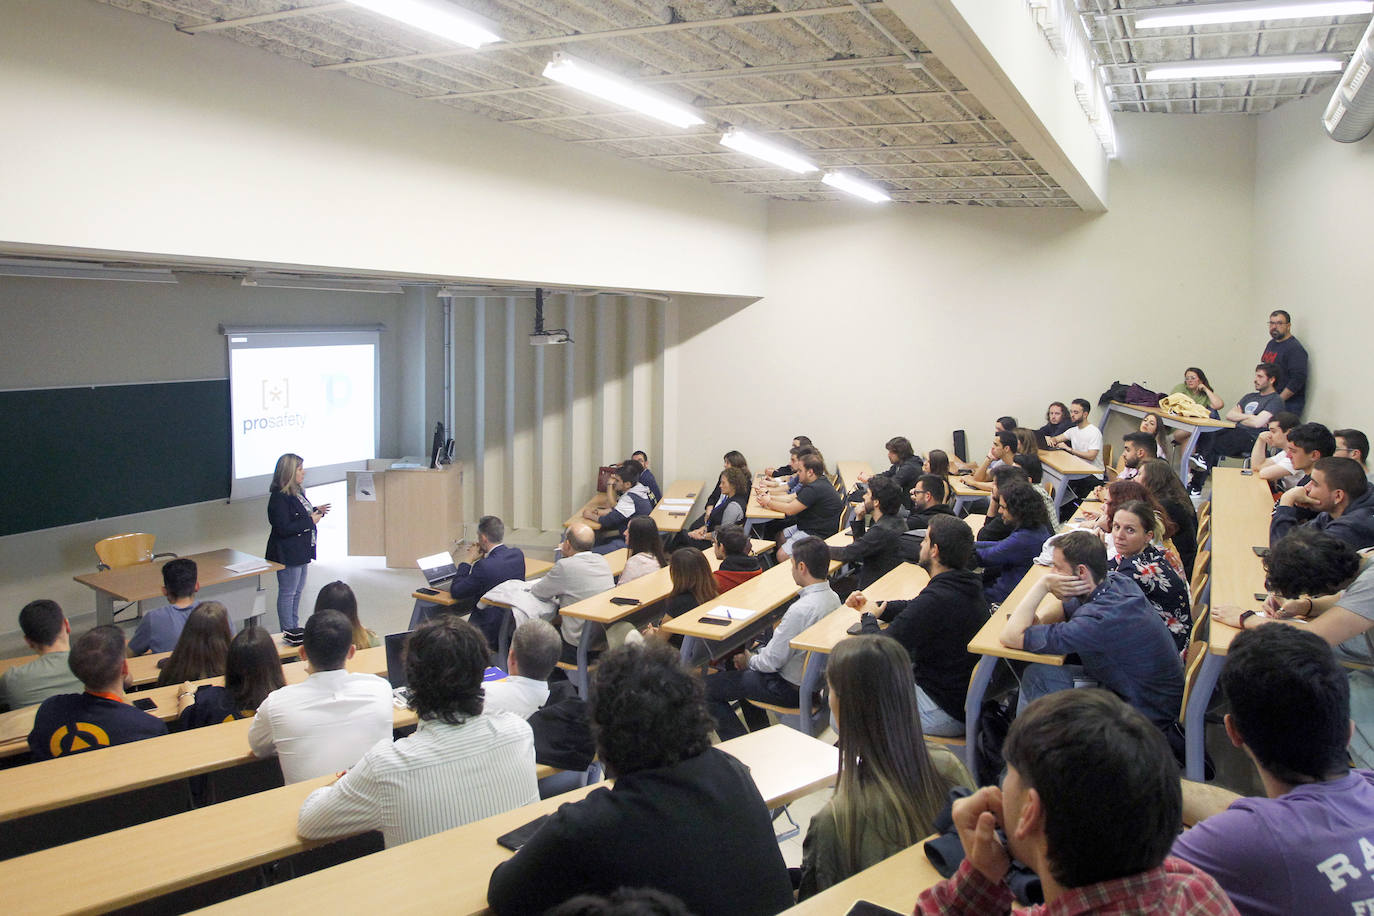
{"points": [[843, 81]]}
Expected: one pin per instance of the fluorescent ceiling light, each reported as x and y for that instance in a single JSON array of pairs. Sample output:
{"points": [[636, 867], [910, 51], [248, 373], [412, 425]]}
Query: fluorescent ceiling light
{"points": [[1244, 66], [745, 142], [604, 85], [867, 190], [357, 285], [436, 17], [63, 270], [1258, 11]]}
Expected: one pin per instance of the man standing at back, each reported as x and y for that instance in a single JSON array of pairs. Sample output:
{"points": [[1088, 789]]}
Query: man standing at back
{"points": [[1287, 353], [47, 632], [160, 628], [580, 573], [328, 721], [1306, 846], [490, 562], [100, 716]]}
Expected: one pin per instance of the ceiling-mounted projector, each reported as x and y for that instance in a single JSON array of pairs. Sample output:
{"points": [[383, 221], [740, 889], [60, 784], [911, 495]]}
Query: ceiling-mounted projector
{"points": [[542, 337]]}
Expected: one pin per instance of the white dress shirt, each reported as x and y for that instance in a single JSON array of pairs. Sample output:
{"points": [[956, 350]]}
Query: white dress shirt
{"points": [[323, 724], [441, 777], [813, 602], [517, 695]]}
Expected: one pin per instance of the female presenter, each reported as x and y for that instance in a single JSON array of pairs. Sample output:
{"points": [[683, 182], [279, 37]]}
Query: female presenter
{"points": [[292, 541]]}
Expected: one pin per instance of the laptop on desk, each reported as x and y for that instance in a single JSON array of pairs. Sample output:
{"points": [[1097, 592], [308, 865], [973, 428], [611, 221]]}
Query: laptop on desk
{"points": [[438, 569]]}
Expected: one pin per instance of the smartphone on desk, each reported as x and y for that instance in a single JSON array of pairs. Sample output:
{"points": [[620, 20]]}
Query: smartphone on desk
{"points": [[716, 621], [627, 602], [145, 703]]}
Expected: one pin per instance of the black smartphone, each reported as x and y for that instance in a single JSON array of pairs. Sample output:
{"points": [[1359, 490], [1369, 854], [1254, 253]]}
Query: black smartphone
{"points": [[716, 621], [522, 834], [1261, 552], [426, 591], [1246, 472], [1261, 596], [864, 908], [627, 602], [145, 704]]}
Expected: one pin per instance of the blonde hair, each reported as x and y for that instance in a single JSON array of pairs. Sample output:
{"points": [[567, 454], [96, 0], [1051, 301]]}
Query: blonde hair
{"points": [[284, 477]]}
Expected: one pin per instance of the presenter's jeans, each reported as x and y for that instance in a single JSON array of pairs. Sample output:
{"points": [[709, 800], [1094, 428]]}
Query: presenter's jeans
{"points": [[290, 585]]}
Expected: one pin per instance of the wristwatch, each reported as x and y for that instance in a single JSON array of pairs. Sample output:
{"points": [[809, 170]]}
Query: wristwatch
{"points": [[1244, 616]]}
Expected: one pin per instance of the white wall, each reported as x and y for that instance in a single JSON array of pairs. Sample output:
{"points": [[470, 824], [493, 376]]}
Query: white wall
{"points": [[919, 320], [122, 134], [1312, 252]]}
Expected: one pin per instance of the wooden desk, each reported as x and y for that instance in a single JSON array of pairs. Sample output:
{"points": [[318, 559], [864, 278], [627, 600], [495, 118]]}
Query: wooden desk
{"points": [[987, 645], [1063, 468], [671, 520], [850, 471], [965, 493], [1194, 426], [234, 590], [895, 883], [449, 871], [600, 502], [1241, 507], [818, 640]]}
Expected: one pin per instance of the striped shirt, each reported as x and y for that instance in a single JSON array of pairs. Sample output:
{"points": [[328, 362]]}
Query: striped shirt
{"points": [[440, 777]]}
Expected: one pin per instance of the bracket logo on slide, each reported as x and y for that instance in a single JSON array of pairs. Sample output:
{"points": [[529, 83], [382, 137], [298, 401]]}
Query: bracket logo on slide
{"points": [[82, 736], [276, 393]]}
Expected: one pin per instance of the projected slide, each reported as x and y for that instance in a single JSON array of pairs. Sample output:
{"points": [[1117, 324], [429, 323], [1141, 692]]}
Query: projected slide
{"points": [[317, 401]]}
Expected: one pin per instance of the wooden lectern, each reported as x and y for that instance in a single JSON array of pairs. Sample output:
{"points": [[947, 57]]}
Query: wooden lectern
{"points": [[407, 513]]}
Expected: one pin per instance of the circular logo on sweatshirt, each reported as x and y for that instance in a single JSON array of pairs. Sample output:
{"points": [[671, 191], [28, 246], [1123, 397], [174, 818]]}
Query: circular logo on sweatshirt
{"points": [[82, 736]]}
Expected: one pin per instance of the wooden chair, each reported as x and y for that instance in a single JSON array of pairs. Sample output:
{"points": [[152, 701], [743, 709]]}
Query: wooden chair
{"points": [[1201, 566], [1204, 533], [122, 550], [1204, 512], [1049, 487], [1113, 471]]}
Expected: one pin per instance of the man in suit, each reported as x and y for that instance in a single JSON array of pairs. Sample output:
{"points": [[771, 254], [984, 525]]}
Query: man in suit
{"points": [[489, 563]]}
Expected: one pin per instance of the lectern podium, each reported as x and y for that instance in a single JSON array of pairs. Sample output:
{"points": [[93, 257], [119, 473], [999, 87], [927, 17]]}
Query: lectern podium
{"points": [[405, 513]]}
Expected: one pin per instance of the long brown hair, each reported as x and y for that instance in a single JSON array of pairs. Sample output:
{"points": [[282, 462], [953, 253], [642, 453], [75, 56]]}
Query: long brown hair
{"points": [[641, 536], [337, 596], [886, 780], [691, 574], [1120, 492], [253, 669], [202, 648]]}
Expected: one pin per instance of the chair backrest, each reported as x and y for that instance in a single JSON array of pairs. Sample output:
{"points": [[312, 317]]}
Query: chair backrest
{"points": [[1204, 512], [125, 549], [1197, 651], [1204, 532], [1201, 566], [1049, 488]]}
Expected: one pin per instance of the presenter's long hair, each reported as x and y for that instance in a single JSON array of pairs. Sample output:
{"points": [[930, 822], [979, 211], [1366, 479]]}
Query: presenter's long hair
{"points": [[203, 647], [887, 782], [284, 477]]}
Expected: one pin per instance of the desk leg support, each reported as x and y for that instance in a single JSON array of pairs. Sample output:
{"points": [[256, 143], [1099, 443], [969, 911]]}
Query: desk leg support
{"points": [[811, 676], [1184, 472], [973, 706], [590, 631], [1060, 485], [1195, 716], [104, 608]]}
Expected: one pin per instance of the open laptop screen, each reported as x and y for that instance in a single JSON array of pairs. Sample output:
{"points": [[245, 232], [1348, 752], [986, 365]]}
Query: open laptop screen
{"points": [[438, 569]]}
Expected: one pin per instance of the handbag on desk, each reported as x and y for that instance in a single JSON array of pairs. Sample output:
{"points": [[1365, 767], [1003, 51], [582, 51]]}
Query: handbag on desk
{"points": [[603, 477]]}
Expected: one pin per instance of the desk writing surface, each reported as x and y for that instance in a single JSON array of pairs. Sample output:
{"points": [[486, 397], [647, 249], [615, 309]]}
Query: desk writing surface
{"points": [[1241, 509], [1201, 422], [600, 502], [785, 764], [143, 581], [903, 581], [1064, 463], [91, 876], [895, 883], [850, 471], [646, 589], [671, 520], [961, 486], [986, 642], [144, 668]]}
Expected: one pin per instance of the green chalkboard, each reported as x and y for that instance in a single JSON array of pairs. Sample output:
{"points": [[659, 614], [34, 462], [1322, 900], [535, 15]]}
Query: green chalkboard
{"points": [[78, 454]]}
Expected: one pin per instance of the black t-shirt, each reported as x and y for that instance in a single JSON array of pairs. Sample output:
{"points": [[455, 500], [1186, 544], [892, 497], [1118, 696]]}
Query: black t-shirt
{"points": [[821, 517], [76, 722]]}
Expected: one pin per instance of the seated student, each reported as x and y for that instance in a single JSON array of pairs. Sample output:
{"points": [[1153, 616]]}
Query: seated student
{"points": [[891, 785], [631, 499], [337, 596], [1304, 847], [994, 527], [874, 549], [728, 509], [906, 467], [1025, 442], [1307, 444], [489, 562], [937, 463], [1337, 500], [1135, 448], [1091, 803], [48, 633], [70, 723], [1108, 622], [1082, 439], [1008, 560], [929, 500], [1269, 457], [737, 564], [1035, 473], [936, 626], [1196, 387], [1150, 426], [814, 510], [459, 766], [797, 442], [1137, 535], [328, 721], [645, 548], [1251, 414], [646, 476], [681, 817], [1160, 478], [1120, 492], [1352, 444], [1057, 420], [579, 573], [203, 647], [732, 459], [534, 651], [788, 482], [693, 585], [252, 670], [160, 627], [1322, 585], [1000, 454], [774, 673]]}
